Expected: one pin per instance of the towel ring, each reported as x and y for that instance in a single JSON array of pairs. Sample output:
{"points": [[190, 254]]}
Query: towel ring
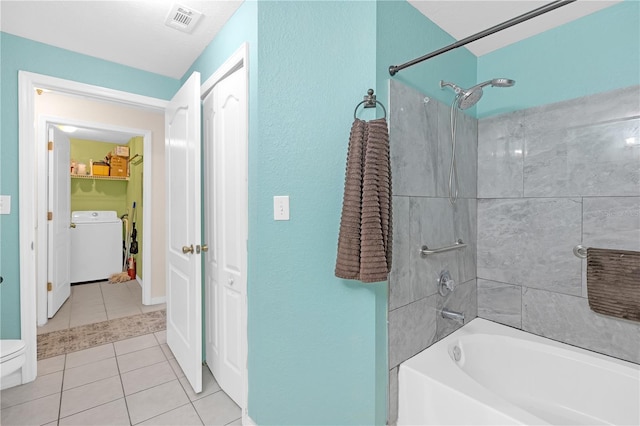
{"points": [[370, 102]]}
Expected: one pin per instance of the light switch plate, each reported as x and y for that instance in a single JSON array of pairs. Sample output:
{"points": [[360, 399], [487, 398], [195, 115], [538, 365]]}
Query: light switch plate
{"points": [[281, 207], [5, 204]]}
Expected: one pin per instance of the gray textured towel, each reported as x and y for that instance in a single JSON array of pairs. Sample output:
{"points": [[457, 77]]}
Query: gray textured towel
{"points": [[364, 241], [613, 282]]}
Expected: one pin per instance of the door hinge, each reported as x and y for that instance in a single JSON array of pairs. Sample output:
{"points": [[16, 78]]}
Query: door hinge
{"points": [[49, 287], [50, 146], [49, 215]]}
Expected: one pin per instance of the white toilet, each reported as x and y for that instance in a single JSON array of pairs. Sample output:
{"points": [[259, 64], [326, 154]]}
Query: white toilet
{"points": [[12, 357]]}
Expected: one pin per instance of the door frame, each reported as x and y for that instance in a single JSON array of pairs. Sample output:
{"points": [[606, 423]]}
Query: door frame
{"points": [[238, 60], [30, 177], [44, 121]]}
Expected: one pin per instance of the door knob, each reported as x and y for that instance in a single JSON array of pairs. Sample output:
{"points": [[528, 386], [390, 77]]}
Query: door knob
{"points": [[205, 247], [72, 225], [230, 281], [188, 249]]}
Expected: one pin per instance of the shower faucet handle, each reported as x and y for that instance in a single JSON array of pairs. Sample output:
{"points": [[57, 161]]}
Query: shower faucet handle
{"points": [[445, 284]]}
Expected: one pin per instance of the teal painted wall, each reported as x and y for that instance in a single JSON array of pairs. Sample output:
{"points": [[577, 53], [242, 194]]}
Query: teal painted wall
{"points": [[312, 337], [596, 53], [22, 54], [404, 34]]}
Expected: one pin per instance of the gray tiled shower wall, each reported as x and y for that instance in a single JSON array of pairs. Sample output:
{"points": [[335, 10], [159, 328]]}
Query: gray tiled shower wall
{"points": [[422, 215], [547, 178], [550, 178]]}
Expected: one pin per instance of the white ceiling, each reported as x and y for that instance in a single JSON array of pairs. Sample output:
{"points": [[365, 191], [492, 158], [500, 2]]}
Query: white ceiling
{"points": [[99, 135], [131, 33]]}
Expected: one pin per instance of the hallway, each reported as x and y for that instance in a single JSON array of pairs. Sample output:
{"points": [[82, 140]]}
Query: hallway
{"points": [[99, 301]]}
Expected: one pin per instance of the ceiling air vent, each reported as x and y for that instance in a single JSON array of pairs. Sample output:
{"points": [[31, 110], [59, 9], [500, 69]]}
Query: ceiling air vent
{"points": [[183, 18]]}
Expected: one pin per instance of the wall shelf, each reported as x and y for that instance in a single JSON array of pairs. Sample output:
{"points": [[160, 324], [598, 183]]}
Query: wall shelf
{"points": [[96, 177]]}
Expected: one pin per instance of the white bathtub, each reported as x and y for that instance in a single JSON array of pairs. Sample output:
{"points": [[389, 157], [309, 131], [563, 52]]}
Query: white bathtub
{"points": [[507, 376]]}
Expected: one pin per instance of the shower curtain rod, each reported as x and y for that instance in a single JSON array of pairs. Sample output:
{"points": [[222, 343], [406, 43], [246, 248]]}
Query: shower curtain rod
{"points": [[393, 69]]}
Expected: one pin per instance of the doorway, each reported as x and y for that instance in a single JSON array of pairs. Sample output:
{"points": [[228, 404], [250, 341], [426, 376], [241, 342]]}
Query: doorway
{"points": [[31, 190], [113, 192], [33, 186], [102, 221]]}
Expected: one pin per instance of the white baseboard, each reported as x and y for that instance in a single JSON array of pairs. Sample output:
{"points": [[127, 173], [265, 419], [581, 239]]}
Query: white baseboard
{"points": [[248, 421], [158, 300]]}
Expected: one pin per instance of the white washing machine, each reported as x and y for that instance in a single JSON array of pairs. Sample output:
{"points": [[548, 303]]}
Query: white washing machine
{"points": [[96, 245]]}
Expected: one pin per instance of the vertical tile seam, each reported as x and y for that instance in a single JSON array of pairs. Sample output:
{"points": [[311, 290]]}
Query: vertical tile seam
{"points": [[521, 307], [583, 279], [524, 147]]}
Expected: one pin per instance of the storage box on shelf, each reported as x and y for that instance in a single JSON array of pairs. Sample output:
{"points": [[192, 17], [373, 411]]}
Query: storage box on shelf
{"points": [[100, 169], [121, 151], [119, 166]]}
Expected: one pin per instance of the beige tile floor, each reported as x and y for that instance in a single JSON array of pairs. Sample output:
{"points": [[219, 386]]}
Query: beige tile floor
{"points": [[100, 301], [130, 382]]}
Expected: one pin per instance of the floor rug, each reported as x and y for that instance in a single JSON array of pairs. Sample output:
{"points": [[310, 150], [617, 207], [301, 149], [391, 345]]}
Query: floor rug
{"points": [[87, 336]]}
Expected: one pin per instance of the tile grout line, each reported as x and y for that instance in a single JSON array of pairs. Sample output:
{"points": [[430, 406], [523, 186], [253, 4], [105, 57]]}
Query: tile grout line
{"points": [[64, 373], [124, 395]]}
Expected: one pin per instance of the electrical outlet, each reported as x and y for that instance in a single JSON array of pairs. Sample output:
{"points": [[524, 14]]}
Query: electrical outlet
{"points": [[5, 204], [281, 207]]}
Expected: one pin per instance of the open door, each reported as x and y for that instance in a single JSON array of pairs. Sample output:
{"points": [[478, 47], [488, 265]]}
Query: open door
{"points": [[59, 221], [225, 116], [183, 274]]}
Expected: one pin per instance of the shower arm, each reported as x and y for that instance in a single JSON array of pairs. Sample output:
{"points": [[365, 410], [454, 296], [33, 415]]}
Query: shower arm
{"points": [[393, 69]]}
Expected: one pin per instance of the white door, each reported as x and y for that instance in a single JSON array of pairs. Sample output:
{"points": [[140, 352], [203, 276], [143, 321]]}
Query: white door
{"points": [[225, 112], [59, 215], [183, 274]]}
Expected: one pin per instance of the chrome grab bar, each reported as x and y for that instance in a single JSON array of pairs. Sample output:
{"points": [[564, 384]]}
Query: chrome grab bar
{"points": [[426, 251]]}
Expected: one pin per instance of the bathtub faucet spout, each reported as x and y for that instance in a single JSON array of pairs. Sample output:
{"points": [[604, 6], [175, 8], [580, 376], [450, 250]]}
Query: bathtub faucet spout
{"points": [[452, 315]]}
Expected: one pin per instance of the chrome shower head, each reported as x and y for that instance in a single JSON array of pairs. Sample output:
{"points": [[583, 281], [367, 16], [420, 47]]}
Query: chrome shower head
{"points": [[466, 98], [502, 82], [497, 82], [469, 98]]}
